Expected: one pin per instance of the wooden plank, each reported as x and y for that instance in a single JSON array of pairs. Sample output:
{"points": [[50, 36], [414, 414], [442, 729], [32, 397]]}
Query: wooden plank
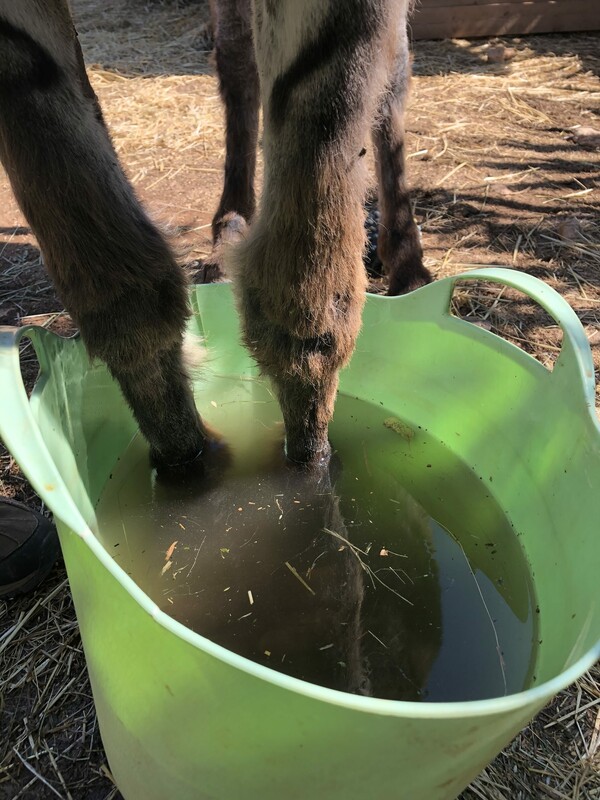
{"points": [[503, 18], [499, 18], [422, 4]]}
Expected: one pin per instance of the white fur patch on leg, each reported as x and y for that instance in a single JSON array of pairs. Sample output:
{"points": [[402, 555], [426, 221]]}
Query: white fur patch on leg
{"points": [[195, 354], [234, 230]]}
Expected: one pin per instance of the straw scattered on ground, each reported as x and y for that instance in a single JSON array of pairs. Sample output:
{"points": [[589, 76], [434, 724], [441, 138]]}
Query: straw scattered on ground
{"points": [[500, 176]]}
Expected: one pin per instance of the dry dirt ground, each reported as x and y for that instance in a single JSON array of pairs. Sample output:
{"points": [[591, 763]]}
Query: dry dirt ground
{"points": [[502, 174]]}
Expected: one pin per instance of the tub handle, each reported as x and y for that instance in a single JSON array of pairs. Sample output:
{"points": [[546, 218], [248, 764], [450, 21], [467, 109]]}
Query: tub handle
{"points": [[19, 428], [574, 366]]}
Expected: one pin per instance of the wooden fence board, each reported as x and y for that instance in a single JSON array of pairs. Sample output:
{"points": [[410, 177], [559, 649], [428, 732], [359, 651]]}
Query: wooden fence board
{"points": [[439, 19], [425, 4]]}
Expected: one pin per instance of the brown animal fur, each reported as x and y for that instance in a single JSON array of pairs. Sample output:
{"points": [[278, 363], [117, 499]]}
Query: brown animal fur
{"points": [[399, 247], [299, 274], [112, 268], [327, 69]]}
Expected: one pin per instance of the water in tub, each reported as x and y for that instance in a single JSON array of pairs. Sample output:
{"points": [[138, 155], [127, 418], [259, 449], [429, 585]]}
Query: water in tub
{"points": [[396, 574]]}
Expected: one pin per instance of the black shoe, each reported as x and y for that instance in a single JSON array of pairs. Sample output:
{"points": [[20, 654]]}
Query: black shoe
{"points": [[28, 547]]}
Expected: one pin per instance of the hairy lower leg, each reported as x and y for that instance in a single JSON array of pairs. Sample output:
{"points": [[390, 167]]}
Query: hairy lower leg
{"points": [[159, 393], [399, 242], [306, 411], [239, 88], [111, 266], [301, 307]]}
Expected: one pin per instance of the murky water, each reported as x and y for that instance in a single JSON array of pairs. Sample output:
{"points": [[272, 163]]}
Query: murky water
{"points": [[395, 575]]}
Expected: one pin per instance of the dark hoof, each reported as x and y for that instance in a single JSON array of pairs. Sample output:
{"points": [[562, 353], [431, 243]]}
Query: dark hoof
{"points": [[409, 281], [401, 250], [165, 465], [316, 478], [229, 230], [207, 271], [308, 459], [324, 469], [207, 466]]}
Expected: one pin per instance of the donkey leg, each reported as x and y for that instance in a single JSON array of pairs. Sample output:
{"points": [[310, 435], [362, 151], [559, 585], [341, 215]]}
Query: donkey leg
{"points": [[112, 268], [299, 273], [302, 369], [399, 245], [239, 88]]}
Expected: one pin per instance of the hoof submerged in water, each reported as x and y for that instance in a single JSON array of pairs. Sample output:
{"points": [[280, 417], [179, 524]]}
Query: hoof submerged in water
{"points": [[307, 459], [208, 464]]}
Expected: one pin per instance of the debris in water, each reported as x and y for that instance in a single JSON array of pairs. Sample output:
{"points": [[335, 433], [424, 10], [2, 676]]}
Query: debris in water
{"points": [[196, 557], [250, 597], [372, 575], [166, 567], [367, 467], [399, 427], [378, 639], [389, 552], [171, 550], [296, 574]]}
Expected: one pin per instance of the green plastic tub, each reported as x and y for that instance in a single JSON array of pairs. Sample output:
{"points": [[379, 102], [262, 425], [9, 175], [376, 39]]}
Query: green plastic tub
{"points": [[183, 719]]}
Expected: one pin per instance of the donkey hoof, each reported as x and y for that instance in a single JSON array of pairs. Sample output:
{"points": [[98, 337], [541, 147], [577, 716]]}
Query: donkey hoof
{"points": [[308, 458], [207, 465], [207, 271], [405, 281], [166, 466]]}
